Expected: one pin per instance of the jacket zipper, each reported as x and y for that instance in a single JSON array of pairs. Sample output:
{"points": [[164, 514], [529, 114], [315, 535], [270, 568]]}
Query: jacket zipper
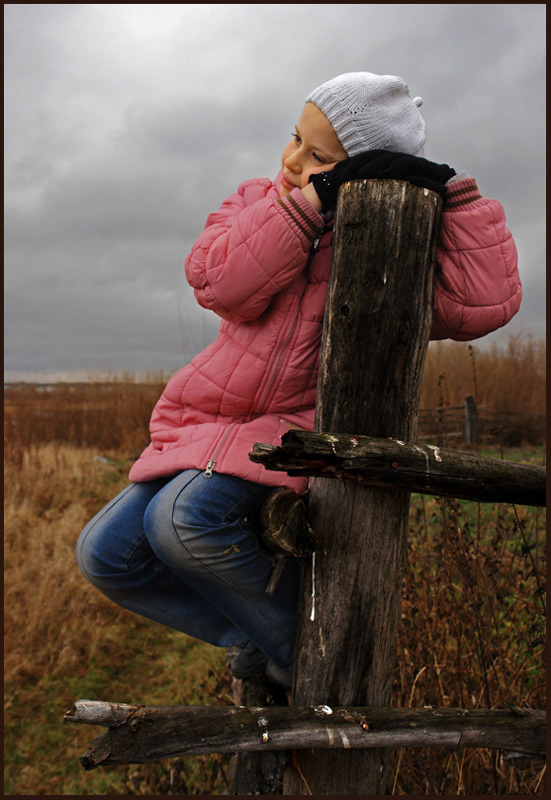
{"points": [[279, 359], [211, 463], [288, 337]]}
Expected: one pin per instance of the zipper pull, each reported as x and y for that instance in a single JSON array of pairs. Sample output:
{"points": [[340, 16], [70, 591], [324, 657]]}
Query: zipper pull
{"points": [[210, 466], [316, 243]]}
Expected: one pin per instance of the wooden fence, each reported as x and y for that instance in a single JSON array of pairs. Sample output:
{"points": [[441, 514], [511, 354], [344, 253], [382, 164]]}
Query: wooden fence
{"points": [[477, 424], [340, 725]]}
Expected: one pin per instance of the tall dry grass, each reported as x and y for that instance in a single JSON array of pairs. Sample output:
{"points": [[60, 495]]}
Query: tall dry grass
{"points": [[472, 635], [508, 375], [64, 641], [107, 415], [508, 382]]}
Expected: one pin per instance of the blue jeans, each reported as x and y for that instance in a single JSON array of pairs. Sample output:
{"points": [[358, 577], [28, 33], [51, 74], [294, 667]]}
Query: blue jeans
{"points": [[183, 552]]}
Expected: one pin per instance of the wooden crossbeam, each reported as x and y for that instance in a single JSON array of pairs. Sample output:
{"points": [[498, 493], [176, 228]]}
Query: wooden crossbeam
{"points": [[140, 734], [389, 463]]}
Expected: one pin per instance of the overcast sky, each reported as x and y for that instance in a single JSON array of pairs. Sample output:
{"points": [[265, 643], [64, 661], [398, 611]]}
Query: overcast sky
{"points": [[126, 124]]}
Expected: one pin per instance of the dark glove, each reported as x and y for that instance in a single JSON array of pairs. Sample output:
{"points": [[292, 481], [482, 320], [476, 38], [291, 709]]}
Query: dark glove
{"points": [[382, 164]]}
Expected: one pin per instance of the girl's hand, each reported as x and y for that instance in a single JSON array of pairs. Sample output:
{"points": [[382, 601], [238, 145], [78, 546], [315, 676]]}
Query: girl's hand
{"points": [[312, 196], [382, 164]]}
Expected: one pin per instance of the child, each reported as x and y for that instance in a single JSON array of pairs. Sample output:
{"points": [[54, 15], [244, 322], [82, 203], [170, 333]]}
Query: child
{"points": [[178, 545]]}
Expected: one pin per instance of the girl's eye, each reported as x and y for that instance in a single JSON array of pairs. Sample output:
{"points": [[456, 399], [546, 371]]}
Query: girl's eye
{"points": [[315, 156]]}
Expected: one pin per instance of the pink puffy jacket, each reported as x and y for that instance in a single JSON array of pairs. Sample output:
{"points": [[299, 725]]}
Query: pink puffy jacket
{"points": [[262, 264]]}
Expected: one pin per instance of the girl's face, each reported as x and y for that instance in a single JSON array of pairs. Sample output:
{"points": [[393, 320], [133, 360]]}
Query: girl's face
{"points": [[313, 148]]}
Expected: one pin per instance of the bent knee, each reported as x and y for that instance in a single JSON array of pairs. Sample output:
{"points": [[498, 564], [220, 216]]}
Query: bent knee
{"points": [[106, 560], [90, 554]]}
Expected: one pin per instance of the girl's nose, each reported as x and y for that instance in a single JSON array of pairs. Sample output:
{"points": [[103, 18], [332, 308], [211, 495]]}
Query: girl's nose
{"points": [[293, 163]]}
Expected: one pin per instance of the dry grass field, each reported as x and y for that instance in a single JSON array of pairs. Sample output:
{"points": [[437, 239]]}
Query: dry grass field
{"points": [[473, 616]]}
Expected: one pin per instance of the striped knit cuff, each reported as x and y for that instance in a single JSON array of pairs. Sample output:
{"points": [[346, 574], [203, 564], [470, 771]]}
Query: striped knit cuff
{"points": [[461, 193], [302, 215]]}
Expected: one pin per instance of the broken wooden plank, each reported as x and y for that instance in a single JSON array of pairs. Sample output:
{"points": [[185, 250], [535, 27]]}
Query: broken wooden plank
{"points": [[390, 463]]}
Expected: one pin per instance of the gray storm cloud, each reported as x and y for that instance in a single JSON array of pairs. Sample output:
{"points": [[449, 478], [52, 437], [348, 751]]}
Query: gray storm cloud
{"points": [[125, 125]]}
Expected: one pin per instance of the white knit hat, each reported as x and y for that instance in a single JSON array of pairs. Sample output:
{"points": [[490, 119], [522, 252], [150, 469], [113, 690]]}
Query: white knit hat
{"points": [[372, 112]]}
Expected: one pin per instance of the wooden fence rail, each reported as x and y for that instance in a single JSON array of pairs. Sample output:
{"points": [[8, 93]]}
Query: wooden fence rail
{"points": [[389, 463], [141, 734]]}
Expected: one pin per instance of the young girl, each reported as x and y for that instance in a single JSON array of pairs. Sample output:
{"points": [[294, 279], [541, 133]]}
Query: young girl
{"points": [[178, 545]]}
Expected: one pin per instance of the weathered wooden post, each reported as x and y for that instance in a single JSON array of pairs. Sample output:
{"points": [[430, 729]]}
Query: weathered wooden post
{"points": [[376, 331]]}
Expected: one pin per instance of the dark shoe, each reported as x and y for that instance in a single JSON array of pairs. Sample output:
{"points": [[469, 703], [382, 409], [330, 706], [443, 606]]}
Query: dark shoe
{"points": [[283, 677], [247, 665]]}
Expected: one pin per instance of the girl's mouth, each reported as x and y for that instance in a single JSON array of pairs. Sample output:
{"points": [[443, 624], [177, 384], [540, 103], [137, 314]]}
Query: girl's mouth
{"points": [[287, 184]]}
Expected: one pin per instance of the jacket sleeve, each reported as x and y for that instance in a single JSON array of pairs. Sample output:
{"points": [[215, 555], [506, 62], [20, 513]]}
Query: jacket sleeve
{"points": [[252, 248], [477, 287]]}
